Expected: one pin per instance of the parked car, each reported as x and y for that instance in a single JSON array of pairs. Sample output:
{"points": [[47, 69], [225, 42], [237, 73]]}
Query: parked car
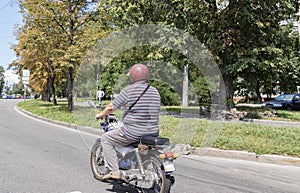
{"points": [[284, 101], [7, 97]]}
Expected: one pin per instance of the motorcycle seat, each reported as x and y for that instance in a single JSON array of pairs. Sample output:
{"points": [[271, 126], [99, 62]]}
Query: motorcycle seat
{"points": [[154, 141]]}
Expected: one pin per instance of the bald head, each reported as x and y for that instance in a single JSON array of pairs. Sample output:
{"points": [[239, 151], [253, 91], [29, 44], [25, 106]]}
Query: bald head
{"points": [[139, 72]]}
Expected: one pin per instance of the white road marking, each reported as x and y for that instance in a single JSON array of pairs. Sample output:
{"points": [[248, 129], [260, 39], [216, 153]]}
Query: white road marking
{"points": [[74, 192]]}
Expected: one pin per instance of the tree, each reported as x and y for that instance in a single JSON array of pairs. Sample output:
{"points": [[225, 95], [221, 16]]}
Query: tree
{"points": [[18, 89], [38, 42], [152, 12], [247, 39], [57, 30], [288, 78], [72, 19], [244, 35], [2, 81], [262, 49]]}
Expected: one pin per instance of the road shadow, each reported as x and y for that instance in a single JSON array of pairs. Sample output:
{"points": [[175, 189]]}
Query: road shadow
{"points": [[118, 187]]}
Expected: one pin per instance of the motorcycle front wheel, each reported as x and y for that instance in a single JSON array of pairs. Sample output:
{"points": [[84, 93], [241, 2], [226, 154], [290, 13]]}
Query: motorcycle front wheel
{"points": [[153, 164], [97, 161]]}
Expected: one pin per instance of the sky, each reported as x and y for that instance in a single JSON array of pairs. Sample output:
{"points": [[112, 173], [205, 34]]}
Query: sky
{"points": [[9, 17]]}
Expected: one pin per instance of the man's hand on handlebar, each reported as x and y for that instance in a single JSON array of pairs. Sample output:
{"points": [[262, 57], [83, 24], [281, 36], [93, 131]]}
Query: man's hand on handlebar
{"points": [[100, 116], [108, 109]]}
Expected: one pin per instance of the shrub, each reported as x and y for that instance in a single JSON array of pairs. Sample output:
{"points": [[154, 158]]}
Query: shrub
{"points": [[253, 115]]}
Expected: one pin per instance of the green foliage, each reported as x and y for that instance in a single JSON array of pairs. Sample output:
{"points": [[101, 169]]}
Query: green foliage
{"points": [[85, 83], [112, 76], [19, 89], [168, 96], [249, 46], [201, 90], [53, 41], [255, 53], [2, 82], [253, 115]]}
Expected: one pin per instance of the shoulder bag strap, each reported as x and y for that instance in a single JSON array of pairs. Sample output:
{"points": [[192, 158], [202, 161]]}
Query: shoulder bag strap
{"points": [[126, 112]]}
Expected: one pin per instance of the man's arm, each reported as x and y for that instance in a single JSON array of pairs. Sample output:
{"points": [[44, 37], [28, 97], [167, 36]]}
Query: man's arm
{"points": [[108, 110]]}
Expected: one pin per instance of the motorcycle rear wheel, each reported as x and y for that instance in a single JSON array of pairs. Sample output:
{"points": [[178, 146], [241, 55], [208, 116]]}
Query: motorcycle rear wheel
{"points": [[153, 164], [97, 161]]}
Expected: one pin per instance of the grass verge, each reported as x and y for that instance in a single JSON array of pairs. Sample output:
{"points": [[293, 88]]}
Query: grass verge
{"points": [[195, 132]]}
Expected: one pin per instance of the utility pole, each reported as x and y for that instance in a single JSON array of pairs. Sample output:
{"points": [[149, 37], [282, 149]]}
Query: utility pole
{"points": [[185, 87]]}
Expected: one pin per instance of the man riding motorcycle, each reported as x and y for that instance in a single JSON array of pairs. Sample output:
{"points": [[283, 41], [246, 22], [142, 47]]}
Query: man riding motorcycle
{"points": [[141, 116]]}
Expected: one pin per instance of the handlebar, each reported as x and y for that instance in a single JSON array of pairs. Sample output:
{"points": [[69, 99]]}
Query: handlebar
{"points": [[108, 120]]}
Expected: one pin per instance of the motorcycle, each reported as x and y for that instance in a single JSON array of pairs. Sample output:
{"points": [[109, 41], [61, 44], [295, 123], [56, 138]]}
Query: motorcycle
{"points": [[146, 165]]}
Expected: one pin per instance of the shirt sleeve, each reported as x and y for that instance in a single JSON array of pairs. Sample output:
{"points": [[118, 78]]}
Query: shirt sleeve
{"points": [[121, 100]]}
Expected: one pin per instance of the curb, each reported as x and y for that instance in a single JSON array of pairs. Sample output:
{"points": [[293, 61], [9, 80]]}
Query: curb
{"points": [[245, 155], [69, 125], [206, 151], [270, 122]]}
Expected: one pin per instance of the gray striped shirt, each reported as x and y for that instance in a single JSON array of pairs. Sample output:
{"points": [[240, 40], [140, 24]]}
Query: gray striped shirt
{"points": [[143, 118]]}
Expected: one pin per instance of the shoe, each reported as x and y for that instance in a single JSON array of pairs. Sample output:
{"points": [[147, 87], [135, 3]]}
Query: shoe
{"points": [[112, 175]]}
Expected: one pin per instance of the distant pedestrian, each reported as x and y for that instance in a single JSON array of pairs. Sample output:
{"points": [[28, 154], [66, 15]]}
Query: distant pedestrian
{"points": [[100, 95]]}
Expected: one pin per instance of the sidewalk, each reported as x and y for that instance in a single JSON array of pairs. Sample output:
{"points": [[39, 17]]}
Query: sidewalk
{"points": [[207, 151]]}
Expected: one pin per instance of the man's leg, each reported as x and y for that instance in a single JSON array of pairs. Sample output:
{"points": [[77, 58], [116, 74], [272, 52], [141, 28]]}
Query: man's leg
{"points": [[110, 140]]}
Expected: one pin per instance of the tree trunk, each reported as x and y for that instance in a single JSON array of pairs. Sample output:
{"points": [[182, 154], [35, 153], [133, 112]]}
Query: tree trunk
{"points": [[51, 79], [70, 89], [257, 91], [228, 80], [46, 95], [53, 91], [70, 68]]}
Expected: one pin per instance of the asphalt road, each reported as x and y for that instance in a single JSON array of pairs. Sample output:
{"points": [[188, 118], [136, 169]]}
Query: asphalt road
{"points": [[38, 157]]}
